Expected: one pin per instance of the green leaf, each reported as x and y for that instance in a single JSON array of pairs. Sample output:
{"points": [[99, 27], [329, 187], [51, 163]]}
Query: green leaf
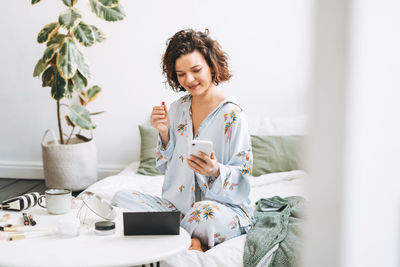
{"points": [[83, 138], [70, 3], [39, 68], [93, 92], [48, 31], [96, 113], [58, 87], [48, 77], [109, 3], [80, 117], [34, 2], [83, 98], [69, 122], [113, 13], [56, 39], [69, 18], [79, 81], [99, 36], [66, 60], [49, 53], [84, 34], [83, 67], [70, 87]]}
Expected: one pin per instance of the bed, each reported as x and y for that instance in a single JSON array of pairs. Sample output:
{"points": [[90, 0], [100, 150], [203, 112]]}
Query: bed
{"points": [[274, 183], [229, 253]]}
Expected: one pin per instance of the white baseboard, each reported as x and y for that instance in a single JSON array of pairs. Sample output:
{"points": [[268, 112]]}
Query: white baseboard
{"points": [[34, 170]]}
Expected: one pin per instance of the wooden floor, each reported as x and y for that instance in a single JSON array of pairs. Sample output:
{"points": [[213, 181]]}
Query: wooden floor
{"points": [[15, 187]]}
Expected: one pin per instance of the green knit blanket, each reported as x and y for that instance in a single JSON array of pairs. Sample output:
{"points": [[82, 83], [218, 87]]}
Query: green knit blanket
{"points": [[279, 221]]}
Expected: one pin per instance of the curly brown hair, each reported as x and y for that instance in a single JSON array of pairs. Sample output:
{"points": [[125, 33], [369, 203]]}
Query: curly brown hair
{"points": [[187, 41]]}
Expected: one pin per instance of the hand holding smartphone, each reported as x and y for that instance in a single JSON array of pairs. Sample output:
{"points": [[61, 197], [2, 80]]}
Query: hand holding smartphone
{"points": [[204, 146], [212, 167]]}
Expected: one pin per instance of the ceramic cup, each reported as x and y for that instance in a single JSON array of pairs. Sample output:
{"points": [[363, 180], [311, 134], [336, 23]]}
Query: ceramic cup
{"points": [[58, 201]]}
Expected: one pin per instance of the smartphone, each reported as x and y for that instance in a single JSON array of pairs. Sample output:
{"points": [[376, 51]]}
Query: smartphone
{"points": [[196, 146]]}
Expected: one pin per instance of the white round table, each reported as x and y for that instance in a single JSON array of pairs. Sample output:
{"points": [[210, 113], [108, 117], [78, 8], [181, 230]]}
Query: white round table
{"points": [[88, 249]]}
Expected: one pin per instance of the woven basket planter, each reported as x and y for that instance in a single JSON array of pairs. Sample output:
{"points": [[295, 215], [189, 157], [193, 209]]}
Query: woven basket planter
{"points": [[72, 166]]}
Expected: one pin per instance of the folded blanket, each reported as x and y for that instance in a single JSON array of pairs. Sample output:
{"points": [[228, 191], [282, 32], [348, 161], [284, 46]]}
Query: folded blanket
{"points": [[279, 221]]}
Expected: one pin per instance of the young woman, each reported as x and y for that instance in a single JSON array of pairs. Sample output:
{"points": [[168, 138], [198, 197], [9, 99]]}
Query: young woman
{"points": [[211, 192]]}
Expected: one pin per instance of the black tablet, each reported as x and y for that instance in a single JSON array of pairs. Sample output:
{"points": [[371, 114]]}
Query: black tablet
{"points": [[151, 223]]}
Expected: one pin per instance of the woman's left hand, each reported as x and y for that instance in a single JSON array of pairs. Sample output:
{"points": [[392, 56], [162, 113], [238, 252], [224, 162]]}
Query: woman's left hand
{"points": [[203, 164]]}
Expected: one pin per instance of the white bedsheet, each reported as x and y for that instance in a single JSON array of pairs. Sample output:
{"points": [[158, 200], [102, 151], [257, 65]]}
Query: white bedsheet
{"points": [[229, 253]]}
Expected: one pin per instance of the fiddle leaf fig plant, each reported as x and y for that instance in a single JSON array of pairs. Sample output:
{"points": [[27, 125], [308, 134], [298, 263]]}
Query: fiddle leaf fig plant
{"points": [[64, 68]]}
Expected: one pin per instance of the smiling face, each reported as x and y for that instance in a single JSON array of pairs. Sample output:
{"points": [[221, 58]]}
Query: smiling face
{"points": [[193, 73]]}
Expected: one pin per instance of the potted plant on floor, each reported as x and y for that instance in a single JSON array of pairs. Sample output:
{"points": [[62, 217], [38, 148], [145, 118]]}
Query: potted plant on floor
{"points": [[70, 162]]}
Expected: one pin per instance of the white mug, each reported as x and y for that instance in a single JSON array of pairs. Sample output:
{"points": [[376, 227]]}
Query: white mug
{"points": [[58, 201]]}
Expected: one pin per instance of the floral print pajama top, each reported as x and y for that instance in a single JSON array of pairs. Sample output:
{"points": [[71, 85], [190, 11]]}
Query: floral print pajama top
{"points": [[226, 127]]}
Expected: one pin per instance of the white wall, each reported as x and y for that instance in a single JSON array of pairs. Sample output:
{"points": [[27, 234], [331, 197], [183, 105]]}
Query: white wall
{"points": [[268, 43]]}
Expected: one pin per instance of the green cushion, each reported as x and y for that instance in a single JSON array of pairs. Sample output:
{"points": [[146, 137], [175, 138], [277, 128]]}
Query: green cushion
{"points": [[148, 145], [275, 153]]}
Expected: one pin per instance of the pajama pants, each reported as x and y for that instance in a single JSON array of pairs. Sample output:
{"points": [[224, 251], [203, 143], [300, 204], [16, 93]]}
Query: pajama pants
{"points": [[209, 221]]}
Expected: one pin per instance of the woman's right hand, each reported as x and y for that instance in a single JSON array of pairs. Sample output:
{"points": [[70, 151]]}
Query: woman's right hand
{"points": [[160, 120]]}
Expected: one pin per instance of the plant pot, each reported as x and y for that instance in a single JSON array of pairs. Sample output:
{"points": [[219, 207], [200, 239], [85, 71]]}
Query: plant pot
{"points": [[72, 166]]}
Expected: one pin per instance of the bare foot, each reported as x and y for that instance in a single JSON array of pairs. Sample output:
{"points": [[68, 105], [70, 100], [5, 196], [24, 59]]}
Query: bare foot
{"points": [[196, 245]]}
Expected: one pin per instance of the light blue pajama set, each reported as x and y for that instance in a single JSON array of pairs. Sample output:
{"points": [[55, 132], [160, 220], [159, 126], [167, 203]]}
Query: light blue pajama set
{"points": [[214, 209]]}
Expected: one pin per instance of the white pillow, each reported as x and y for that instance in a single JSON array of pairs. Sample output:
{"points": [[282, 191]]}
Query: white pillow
{"points": [[278, 126]]}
